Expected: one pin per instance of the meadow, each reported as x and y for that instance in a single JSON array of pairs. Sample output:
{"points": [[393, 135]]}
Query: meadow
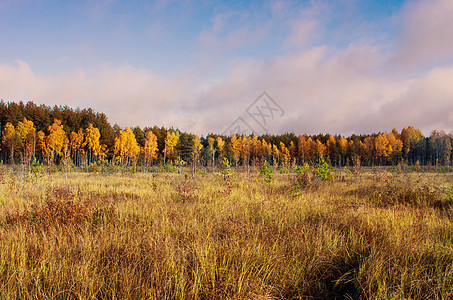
{"points": [[80, 235]]}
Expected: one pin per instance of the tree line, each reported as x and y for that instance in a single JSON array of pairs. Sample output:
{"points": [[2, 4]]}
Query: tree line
{"points": [[60, 134]]}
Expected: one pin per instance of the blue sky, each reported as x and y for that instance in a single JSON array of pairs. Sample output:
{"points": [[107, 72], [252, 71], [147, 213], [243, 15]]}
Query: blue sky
{"points": [[345, 66], [168, 37]]}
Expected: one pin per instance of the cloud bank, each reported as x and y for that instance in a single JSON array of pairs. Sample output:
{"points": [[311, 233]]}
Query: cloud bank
{"points": [[360, 88]]}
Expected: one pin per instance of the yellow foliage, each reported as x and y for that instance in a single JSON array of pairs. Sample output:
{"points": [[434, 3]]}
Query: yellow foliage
{"points": [[126, 146], [92, 136], [343, 145], [284, 154], [171, 141], [382, 146], [150, 149], [25, 132], [9, 138], [220, 144], [197, 146], [235, 145], [55, 139]]}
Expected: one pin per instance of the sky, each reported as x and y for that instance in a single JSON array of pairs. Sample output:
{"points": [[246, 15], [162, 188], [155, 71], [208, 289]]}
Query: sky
{"points": [[338, 66]]}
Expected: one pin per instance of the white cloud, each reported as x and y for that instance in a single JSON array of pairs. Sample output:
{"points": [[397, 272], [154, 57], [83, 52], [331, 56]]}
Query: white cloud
{"points": [[426, 37], [18, 81], [427, 103], [322, 89], [231, 30], [127, 95], [340, 94], [302, 32]]}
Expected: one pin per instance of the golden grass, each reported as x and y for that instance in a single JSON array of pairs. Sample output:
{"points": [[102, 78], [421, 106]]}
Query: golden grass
{"points": [[168, 236]]}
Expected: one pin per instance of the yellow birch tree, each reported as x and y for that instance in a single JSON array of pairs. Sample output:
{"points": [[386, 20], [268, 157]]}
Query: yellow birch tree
{"points": [[197, 146], [171, 140], [220, 146], [92, 136], [150, 148], [284, 155], [9, 138], [55, 139], [343, 146], [76, 146], [212, 149], [235, 145], [41, 145], [26, 137], [382, 147]]}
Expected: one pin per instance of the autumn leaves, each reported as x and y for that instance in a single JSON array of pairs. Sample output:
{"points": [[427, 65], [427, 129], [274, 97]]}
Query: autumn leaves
{"points": [[21, 143], [20, 138], [82, 146]]}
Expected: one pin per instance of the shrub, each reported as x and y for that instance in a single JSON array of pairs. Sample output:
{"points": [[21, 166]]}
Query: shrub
{"points": [[93, 167], [58, 209], [169, 167], [322, 169], [186, 192], [61, 209], [36, 170], [267, 172], [304, 178], [228, 175], [302, 181], [392, 190], [301, 170]]}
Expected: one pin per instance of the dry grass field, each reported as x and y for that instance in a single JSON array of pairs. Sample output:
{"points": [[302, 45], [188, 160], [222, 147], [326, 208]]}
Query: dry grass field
{"points": [[170, 236]]}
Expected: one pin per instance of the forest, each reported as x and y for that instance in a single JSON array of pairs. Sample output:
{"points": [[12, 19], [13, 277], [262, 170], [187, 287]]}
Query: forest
{"points": [[60, 134]]}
